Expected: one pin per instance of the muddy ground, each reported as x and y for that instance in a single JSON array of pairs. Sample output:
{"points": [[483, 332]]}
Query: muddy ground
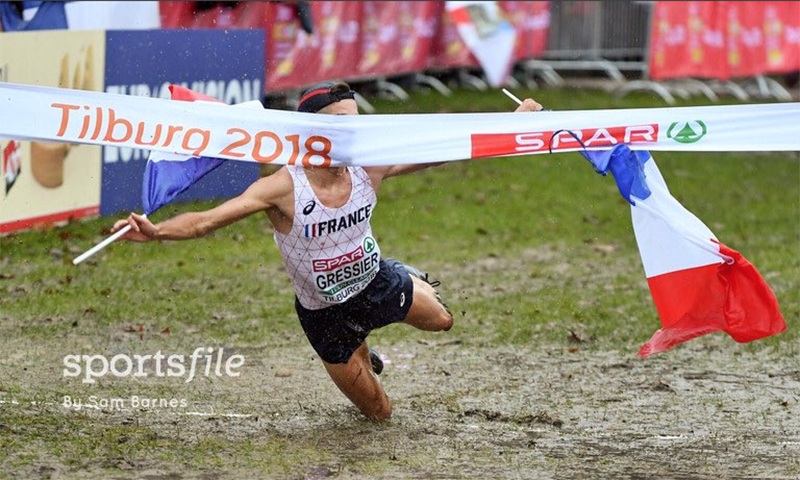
{"points": [[463, 407], [706, 410]]}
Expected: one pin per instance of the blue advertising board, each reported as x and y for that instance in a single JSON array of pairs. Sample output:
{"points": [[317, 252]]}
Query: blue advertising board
{"points": [[224, 64]]}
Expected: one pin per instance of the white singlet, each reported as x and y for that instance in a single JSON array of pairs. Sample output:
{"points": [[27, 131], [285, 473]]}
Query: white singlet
{"points": [[330, 253]]}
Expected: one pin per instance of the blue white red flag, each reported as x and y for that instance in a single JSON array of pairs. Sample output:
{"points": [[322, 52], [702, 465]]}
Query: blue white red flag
{"points": [[698, 284], [167, 175]]}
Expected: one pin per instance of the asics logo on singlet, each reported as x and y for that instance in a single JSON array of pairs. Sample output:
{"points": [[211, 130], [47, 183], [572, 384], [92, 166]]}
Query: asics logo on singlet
{"points": [[309, 207], [313, 230]]}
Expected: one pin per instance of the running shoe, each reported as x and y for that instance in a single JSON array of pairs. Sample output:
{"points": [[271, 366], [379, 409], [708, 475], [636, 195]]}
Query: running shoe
{"points": [[413, 271], [377, 363]]}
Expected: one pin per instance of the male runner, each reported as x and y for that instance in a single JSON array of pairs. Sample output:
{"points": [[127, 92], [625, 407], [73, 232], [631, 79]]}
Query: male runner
{"points": [[344, 288]]}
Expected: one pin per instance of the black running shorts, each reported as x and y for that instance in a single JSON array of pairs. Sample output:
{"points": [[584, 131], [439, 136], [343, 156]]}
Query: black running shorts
{"points": [[337, 331]]}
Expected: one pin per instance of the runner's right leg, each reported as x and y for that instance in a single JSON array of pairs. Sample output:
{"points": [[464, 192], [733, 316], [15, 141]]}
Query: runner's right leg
{"points": [[360, 384], [427, 311]]}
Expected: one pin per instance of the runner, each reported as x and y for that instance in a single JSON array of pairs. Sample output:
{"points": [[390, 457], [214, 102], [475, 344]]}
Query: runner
{"points": [[344, 287]]}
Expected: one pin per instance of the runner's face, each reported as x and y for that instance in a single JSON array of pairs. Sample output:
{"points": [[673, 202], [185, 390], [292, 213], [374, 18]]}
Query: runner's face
{"points": [[342, 107]]}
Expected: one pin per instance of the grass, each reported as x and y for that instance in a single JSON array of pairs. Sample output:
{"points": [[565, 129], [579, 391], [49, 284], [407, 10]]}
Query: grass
{"points": [[449, 218], [532, 251]]}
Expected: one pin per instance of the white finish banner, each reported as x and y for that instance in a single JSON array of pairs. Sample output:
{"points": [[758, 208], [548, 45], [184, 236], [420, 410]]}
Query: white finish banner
{"points": [[283, 137]]}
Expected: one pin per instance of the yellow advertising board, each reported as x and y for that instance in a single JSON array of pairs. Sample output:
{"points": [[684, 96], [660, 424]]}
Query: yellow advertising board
{"points": [[50, 182]]}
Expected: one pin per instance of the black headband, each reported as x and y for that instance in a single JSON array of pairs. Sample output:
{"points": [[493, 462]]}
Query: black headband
{"points": [[320, 96]]}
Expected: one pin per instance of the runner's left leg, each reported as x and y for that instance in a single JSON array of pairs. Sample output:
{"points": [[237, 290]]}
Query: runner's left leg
{"points": [[360, 384]]}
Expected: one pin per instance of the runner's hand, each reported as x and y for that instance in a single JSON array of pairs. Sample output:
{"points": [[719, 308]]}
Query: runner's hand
{"points": [[142, 230], [529, 105]]}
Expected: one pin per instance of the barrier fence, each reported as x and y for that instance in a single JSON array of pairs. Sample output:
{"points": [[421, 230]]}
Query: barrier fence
{"points": [[374, 39], [598, 30], [358, 40]]}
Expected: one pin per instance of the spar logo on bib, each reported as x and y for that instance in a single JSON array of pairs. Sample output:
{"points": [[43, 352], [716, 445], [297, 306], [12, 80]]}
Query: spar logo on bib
{"points": [[339, 278], [687, 132], [328, 264]]}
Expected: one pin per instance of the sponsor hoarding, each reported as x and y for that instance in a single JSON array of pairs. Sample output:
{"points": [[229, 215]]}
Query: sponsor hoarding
{"points": [[225, 64], [46, 182]]}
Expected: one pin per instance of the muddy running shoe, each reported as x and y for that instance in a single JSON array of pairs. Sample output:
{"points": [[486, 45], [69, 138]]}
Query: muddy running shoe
{"points": [[415, 272], [377, 363]]}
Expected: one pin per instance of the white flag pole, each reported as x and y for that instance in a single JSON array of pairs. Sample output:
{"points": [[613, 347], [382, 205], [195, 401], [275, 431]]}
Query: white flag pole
{"points": [[512, 97], [102, 244]]}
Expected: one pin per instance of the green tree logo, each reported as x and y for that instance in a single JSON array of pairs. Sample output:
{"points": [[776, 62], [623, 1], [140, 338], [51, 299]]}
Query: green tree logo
{"points": [[687, 132], [369, 244]]}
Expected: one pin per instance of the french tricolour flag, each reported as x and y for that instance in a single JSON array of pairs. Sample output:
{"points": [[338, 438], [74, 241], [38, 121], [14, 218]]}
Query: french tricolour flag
{"points": [[698, 284], [168, 175]]}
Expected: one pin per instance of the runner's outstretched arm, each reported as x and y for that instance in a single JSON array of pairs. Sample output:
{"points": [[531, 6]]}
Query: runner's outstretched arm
{"points": [[528, 105], [261, 195]]}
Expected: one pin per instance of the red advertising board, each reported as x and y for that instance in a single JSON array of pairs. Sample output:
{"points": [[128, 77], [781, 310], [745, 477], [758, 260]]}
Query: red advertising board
{"points": [[397, 37], [356, 39], [782, 36], [449, 51], [745, 38], [187, 15], [688, 40], [532, 23], [724, 39], [331, 52]]}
